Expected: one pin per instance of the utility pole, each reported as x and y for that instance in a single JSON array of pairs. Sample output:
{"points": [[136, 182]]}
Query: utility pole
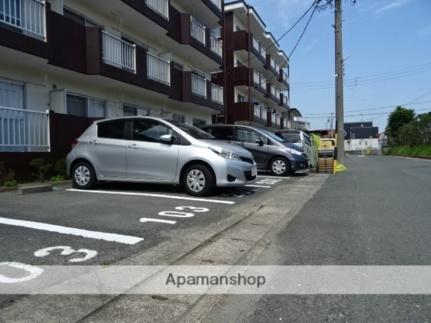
{"points": [[339, 73]]}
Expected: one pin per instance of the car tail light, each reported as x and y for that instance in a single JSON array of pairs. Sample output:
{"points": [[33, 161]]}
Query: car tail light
{"points": [[74, 143]]}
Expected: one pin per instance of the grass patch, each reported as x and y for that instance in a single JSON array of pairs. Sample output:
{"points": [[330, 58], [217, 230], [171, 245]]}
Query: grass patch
{"points": [[416, 151]]}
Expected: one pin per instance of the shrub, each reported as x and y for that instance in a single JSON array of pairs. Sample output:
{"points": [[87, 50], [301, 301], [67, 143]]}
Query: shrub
{"points": [[56, 178], [9, 180], [60, 168], [42, 168], [2, 172]]}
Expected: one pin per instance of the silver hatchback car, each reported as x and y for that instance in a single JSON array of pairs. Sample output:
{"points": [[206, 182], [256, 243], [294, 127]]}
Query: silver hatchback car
{"points": [[154, 150]]}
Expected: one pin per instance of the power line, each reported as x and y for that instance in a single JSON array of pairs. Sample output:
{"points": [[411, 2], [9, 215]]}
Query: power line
{"points": [[367, 114], [401, 70], [376, 108], [305, 29]]}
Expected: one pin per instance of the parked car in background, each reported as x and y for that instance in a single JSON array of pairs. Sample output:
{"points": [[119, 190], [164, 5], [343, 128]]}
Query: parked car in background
{"points": [[300, 139], [153, 150], [270, 151]]}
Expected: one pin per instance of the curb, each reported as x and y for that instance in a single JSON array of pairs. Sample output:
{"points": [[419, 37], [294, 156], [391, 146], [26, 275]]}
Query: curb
{"points": [[32, 189]]}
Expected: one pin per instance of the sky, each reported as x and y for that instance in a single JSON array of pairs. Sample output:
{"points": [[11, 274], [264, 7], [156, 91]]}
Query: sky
{"points": [[387, 52]]}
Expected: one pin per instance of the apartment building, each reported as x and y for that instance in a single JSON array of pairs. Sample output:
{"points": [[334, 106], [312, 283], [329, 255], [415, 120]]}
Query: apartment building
{"points": [[256, 71], [65, 63]]}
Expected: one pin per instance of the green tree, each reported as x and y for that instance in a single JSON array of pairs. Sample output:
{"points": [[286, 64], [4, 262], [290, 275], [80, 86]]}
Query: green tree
{"points": [[398, 118], [409, 134], [424, 127]]}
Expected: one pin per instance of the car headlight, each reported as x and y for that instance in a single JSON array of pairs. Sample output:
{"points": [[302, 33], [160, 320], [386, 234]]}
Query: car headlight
{"points": [[294, 152], [225, 153]]}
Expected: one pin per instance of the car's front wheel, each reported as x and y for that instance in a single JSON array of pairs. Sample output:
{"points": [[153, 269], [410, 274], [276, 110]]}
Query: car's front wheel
{"points": [[198, 180], [280, 166], [83, 175]]}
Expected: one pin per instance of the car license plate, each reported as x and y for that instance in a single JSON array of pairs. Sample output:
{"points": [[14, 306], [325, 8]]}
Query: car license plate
{"points": [[254, 171]]}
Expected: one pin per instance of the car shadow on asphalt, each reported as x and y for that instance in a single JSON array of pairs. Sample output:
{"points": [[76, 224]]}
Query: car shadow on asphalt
{"points": [[172, 189]]}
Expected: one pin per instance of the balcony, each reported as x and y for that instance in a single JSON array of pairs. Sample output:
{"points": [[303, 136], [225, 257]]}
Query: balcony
{"points": [[216, 46], [197, 31], [25, 15], [284, 77], [217, 94], [158, 69], [23, 130], [118, 52], [161, 7], [199, 86], [217, 3]]}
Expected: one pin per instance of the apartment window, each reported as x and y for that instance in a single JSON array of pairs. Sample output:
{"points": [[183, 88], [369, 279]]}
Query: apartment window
{"points": [[129, 111], [78, 18], [11, 95], [76, 105], [179, 118], [241, 98], [82, 106], [199, 122], [96, 108]]}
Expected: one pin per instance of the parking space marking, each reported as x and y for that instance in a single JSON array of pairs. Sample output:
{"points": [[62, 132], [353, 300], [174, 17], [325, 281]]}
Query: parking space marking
{"points": [[112, 237], [258, 186], [166, 196], [274, 177]]}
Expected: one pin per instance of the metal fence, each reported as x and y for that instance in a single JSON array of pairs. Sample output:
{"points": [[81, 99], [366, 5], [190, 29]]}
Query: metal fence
{"points": [[159, 6], [217, 93], [158, 69], [27, 15], [199, 85], [217, 46], [118, 52], [197, 30], [23, 130]]}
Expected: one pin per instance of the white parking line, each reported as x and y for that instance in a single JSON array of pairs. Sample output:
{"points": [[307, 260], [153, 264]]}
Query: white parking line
{"points": [[258, 186], [173, 197], [112, 237], [274, 177]]}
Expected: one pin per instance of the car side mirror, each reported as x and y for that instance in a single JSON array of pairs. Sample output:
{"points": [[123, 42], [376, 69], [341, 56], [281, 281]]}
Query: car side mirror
{"points": [[260, 142], [167, 139]]}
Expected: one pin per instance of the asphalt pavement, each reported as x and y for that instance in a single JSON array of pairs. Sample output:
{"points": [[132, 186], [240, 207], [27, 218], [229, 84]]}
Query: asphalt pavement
{"points": [[378, 212]]}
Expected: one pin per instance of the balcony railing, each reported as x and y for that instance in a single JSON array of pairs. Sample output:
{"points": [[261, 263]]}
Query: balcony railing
{"points": [[159, 6], [27, 15], [263, 82], [256, 78], [197, 31], [118, 52], [216, 46], [217, 93], [256, 45], [23, 130], [158, 69], [217, 3], [263, 52], [199, 86], [285, 76]]}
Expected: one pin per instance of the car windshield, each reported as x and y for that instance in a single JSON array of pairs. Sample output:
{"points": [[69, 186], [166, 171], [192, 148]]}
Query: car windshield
{"points": [[292, 137], [192, 131], [272, 136]]}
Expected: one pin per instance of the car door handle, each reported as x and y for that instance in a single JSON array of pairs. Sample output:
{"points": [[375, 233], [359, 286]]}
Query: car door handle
{"points": [[93, 142], [134, 146]]}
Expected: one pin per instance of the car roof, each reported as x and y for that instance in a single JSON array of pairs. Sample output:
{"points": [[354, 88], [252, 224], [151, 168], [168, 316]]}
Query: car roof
{"points": [[129, 118]]}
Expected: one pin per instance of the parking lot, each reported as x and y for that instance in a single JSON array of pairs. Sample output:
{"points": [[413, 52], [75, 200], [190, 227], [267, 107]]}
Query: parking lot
{"points": [[102, 226]]}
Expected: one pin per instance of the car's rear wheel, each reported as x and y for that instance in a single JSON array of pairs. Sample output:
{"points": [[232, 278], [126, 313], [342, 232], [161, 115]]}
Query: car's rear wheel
{"points": [[198, 180], [83, 175], [280, 166]]}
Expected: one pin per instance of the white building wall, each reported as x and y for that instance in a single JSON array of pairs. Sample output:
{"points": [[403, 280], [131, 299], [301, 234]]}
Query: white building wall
{"points": [[360, 145]]}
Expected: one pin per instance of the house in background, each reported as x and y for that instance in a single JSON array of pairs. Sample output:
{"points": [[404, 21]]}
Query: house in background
{"points": [[67, 62], [361, 137]]}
